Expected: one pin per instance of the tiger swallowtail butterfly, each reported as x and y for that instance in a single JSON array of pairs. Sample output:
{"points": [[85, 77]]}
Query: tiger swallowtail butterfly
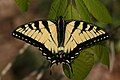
{"points": [[60, 41]]}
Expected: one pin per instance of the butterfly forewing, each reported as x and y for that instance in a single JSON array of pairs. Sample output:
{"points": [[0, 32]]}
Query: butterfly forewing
{"points": [[80, 35], [39, 33]]}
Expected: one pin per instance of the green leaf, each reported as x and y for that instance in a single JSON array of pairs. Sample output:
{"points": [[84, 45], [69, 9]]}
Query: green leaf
{"points": [[83, 12], [81, 66], [102, 54], [98, 10], [57, 9], [101, 24], [23, 4], [71, 13]]}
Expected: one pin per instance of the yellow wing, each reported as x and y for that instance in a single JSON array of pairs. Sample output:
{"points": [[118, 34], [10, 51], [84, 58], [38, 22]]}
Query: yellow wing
{"points": [[80, 35], [42, 34]]}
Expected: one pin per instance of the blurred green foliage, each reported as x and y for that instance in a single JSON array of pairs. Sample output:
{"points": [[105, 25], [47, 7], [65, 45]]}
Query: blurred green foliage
{"points": [[80, 10], [23, 4], [98, 10]]}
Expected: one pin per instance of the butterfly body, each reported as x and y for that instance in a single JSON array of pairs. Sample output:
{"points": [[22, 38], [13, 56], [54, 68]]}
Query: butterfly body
{"points": [[60, 41]]}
